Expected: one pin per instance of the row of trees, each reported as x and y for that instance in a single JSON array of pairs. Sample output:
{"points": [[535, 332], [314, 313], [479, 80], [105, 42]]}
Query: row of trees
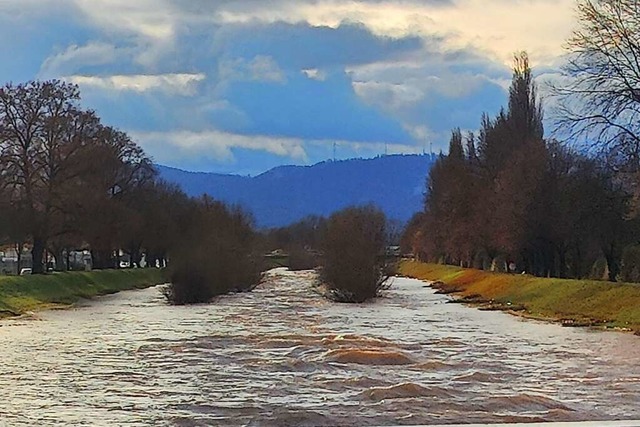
{"points": [[68, 182], [506, 196], [65, 178]]}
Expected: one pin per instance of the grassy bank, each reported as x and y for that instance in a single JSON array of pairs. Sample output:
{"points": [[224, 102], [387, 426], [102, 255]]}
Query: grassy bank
{"points": [[20, 294], [574, 302]]}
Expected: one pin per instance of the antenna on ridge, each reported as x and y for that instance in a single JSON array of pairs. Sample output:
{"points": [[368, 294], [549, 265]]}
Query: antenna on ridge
{"points": [[334, 151]]}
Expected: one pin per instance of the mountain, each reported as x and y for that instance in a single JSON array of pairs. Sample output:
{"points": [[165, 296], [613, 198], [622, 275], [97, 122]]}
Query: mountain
{"points": [[287, 194]]}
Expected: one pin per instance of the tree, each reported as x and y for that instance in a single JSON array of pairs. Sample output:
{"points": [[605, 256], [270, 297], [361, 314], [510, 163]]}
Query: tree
{"points": [[353, 264], [450, 200], [42, 132], [117, 170], [213, 254], [601, 101]]}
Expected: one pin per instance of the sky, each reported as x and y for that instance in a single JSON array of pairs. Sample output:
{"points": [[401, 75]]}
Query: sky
{"points": [[241, 86]]}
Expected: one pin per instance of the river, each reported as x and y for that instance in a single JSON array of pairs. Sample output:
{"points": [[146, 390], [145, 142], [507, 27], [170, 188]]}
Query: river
{"points": [[282, 355]]}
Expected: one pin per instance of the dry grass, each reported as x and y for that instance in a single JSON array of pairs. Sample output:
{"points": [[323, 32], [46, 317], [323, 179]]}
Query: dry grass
{"points": [[612, 304]]}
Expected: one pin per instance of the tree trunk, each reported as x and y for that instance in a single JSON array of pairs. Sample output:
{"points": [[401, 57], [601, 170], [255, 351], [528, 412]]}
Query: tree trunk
{"points": [[58, 253], [134, 256], [102, 259], [613, 266], [61, 265], [37, 254], [19, 256]]}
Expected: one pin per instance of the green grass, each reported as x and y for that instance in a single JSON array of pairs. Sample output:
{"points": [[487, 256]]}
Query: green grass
{"points": [[614, 304], [20, 294]]}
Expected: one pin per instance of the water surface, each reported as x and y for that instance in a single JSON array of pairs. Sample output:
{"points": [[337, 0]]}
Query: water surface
{"points": [[282, 355]]}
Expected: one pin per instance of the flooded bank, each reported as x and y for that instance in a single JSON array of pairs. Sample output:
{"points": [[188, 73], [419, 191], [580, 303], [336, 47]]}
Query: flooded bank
{"points": [[282, 355]]}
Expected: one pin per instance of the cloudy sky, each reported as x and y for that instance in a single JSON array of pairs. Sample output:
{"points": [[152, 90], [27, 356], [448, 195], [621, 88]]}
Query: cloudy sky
{"points": [[244, 85]]}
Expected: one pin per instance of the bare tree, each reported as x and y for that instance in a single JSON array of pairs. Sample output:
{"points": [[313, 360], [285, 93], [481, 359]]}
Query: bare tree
{"points": [[117, 170], [599, 100], [40, 127]]}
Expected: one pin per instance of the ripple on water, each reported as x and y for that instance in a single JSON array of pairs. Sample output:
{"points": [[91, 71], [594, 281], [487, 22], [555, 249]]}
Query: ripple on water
{"points": [[369, 357], [283, 355], [406, 390]]}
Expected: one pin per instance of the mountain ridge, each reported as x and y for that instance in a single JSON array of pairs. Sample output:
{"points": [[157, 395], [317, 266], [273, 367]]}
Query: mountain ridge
{"points": [[285, 194]]}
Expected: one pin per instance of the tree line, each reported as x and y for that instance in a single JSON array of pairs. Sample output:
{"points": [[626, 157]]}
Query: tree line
{"points": [[68, 182], [65, 178], [507, 198]]}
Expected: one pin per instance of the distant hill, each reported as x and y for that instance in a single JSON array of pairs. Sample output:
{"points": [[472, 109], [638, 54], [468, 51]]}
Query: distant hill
{"points": [[287, 194]]}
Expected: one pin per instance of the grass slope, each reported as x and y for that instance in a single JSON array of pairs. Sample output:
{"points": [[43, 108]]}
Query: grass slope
{"points": [[610, 304], [20, 294]]}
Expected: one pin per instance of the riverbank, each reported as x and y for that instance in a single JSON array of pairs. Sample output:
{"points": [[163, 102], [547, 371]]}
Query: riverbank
{"points": [[21, 294], [570, 302]]}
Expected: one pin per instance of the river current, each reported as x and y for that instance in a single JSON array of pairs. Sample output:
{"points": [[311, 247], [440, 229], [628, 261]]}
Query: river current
{"points": [[284, 356]]}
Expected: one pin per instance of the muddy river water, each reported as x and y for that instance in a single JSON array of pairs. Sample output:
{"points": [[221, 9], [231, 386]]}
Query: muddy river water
{"points": [[282, 355]]}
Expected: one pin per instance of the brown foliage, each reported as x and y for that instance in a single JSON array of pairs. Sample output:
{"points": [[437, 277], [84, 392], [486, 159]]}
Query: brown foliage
{"points": [[213, 255], [520, 199], [301, 258], [353, 264]]}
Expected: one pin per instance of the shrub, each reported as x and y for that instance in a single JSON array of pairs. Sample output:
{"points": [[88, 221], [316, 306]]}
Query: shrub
{"points": [[214, 255], [353, 263], [302, 259]]}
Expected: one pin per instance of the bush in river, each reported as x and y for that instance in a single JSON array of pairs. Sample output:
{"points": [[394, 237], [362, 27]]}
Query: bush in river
{"points": [[214, 255], [302, 259], [354, 267]]}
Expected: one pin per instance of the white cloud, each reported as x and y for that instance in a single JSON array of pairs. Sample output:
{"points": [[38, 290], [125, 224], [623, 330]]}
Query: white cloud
{"points": [[178, 84], [148, 26], [265, 68], [168, 147], [261, 68], [315, 74], [74, 57], [399, 94], [496, 27], [403, 88], [153, 19], [217, 146]]}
